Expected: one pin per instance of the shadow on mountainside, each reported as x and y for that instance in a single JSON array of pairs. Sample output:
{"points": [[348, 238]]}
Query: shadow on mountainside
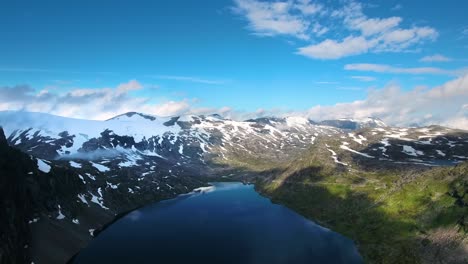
{"points": [[398, 228]]}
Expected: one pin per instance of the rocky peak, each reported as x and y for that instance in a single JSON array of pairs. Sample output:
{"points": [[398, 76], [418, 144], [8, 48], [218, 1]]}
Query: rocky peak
{"points": [[3, 140], [217, 116], [131, 114]]}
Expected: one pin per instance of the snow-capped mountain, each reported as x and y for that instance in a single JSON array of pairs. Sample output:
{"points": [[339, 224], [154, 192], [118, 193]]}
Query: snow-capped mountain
{"points": [[142, 154], [89, 171], [184, 138], [134, 139]]}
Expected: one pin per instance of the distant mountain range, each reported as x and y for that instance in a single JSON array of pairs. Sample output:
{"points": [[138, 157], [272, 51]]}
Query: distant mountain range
{"points": [[195, 140], [116, 165]]}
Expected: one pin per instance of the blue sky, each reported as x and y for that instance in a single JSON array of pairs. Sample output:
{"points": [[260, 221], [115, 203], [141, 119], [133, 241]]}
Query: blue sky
{"points": [[230, 56]]}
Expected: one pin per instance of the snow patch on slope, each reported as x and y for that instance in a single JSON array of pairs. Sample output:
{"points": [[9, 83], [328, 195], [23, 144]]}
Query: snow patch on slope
{"points": [[334, 156], [43, 166], [100, 167], [60, 215], [345, 147], [75, 164], [411, 151]]}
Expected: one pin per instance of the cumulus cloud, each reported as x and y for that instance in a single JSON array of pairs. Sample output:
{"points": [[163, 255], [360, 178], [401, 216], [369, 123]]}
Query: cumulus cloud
{"points": [[92, 103], [377, 35], [331, 49], [305, 20], [444, 105], [355, 19], [169, 108], [278, 18]]}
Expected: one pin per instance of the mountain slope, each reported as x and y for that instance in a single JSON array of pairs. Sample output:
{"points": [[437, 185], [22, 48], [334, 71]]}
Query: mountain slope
{"points": [[395, 215]]}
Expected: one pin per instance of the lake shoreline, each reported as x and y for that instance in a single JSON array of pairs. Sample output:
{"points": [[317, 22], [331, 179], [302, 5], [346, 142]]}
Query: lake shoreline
{"points": [[119, 216], [249, 199]]}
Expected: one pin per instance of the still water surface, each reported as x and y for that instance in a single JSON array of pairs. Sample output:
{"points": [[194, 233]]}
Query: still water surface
{"points": [[227, 223]]}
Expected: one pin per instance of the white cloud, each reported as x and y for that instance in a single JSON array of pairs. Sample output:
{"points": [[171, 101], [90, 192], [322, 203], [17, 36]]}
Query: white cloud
{"points": [[277, 18], [372, 26], [444, 105], [89, 103], [306, 7], [364, 78], [127, 87], [383, 68], [330, 49], [401, 39], [435, 58], [395, 40], [451, 89], [319, 30], [170, 108], [304, 20]]}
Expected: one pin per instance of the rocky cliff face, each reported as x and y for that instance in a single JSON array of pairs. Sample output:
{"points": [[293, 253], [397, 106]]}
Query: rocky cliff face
{"points": [[15, 202], [30, 189]]}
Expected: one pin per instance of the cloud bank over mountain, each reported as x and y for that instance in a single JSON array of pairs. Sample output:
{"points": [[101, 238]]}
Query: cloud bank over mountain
{"points": [[445, 104]]}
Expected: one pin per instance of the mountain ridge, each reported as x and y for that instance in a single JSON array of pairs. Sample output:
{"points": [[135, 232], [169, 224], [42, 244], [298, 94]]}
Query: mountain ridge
{"points": [[361, 122]]}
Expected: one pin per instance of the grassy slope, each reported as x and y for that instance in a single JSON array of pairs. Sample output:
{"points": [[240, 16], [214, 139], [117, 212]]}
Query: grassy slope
{"points": [[395, 216]]}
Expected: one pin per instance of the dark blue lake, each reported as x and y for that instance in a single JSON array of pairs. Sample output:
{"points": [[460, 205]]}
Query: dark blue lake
{"points": [[228, 223]]}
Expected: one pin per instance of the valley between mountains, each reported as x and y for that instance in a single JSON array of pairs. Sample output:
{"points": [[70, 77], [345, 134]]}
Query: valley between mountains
{"points": [[399, 193]]}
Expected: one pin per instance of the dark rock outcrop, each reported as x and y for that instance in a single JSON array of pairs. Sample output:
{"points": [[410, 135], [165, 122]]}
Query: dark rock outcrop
{"points": [[15, 203]]}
